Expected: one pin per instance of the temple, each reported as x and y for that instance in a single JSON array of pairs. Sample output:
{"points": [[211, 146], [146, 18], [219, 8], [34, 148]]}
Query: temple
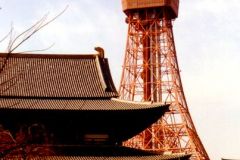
{"points": [[66, 107]]}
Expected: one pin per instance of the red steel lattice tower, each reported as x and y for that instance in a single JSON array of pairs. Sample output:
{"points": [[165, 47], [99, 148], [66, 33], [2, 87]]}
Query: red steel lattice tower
{"points": [[151, 73]]}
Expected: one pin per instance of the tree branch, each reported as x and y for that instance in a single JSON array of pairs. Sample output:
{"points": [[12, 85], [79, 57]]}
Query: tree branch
{"points": [[15, 42]]}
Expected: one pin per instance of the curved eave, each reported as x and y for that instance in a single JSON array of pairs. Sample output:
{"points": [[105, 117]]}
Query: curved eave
{"points": [[118, 120], [119, 157], [156, 157], [72, 104]]}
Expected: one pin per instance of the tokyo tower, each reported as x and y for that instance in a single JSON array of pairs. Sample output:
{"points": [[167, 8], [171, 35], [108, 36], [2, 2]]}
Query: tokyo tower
{"points": [[151, 73]]}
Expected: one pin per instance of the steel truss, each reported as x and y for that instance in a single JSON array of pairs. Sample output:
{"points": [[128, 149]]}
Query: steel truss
{"points": [[151, 73]]}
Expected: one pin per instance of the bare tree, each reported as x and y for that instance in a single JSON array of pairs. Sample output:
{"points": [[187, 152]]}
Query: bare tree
{"points": [[16, 41], [8, 143]]}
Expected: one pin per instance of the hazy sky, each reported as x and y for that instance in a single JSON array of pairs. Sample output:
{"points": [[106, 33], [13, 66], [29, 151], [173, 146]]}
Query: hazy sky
{"points": [[207, 37]]}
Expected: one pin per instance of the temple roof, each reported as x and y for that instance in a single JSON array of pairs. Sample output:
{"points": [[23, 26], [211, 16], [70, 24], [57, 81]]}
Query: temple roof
{"points": [[60, 82], [73, 104], [156, 157], [43, 75], [106, 153], [70, 92]]}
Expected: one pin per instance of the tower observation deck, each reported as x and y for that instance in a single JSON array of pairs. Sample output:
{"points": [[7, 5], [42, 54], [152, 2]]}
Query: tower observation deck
{"points": [[151, 73], [170, 5]]}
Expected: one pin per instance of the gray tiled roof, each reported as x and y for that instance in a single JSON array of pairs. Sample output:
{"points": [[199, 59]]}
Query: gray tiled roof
{"points": [[100, 153], [56, 76], [72, 104], [153, 157]]}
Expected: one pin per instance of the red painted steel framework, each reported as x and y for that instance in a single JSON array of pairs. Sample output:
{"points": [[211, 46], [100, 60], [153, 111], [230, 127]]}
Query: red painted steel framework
{"points": [[151, 73]]}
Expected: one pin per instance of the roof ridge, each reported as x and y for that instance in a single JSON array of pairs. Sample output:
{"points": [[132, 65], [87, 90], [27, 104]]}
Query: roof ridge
{"points": [[100, 71], [50, 55]]}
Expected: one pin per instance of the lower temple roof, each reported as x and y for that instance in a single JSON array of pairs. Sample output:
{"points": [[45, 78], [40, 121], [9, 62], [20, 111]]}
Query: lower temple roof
{"points": [[111, 121], [100, 153], [72, 104], [156, 157]]}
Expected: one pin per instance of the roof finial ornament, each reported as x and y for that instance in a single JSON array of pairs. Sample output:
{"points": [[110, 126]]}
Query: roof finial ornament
{"points": [[100, 51]]}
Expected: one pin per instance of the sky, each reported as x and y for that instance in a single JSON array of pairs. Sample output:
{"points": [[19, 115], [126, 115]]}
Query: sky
{"points": [[207, 37]]}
